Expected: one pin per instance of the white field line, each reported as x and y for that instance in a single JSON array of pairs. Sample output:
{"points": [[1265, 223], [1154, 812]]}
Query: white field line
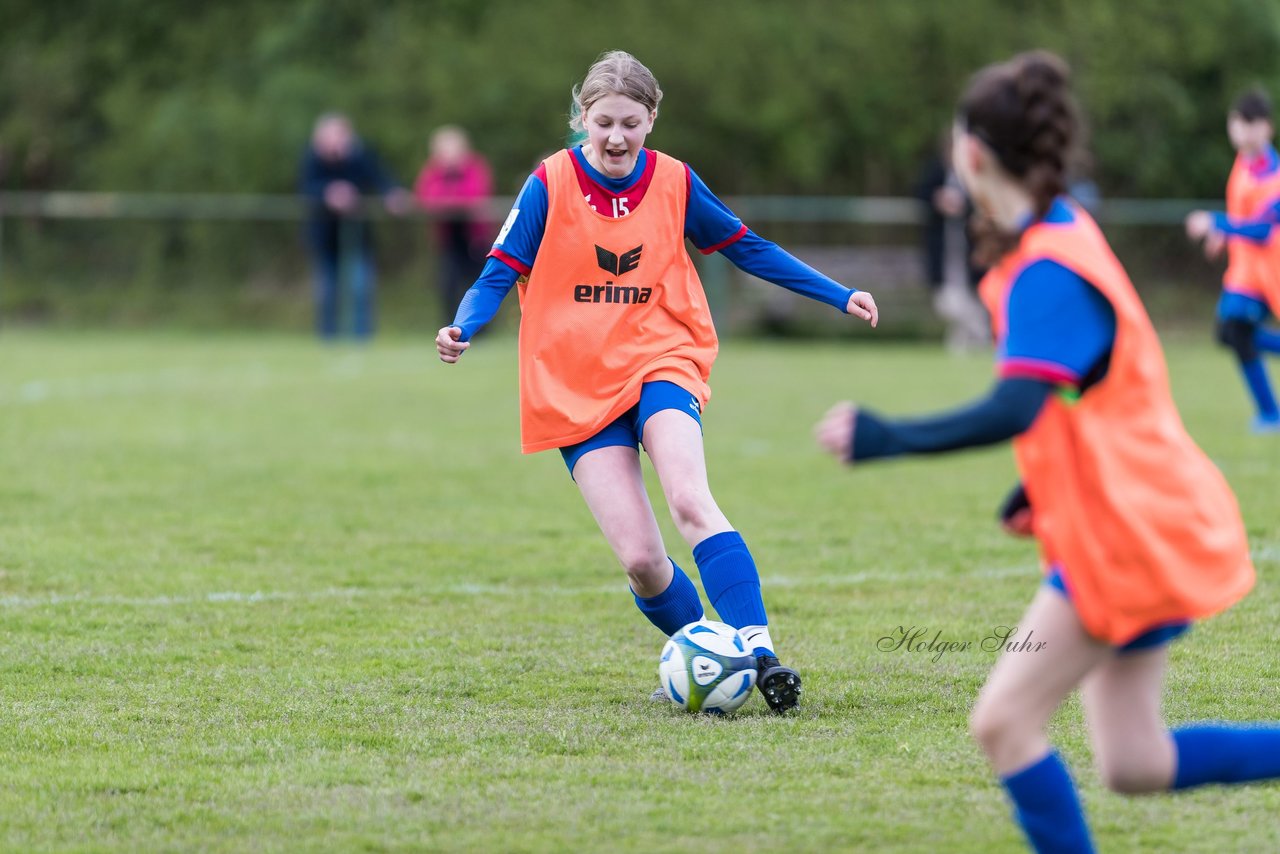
{"points": [[250, 598], [133, 384], [1269, 553], [231, 596]]}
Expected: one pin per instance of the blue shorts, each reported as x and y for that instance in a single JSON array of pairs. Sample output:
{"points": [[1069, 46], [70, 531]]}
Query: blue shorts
{"points": [[627, 429], [1234, 306], [1157, 636]]}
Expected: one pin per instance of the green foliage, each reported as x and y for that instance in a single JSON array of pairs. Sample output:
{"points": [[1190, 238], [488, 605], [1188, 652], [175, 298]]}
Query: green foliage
{"points": [[762, 96], [259, 594]]}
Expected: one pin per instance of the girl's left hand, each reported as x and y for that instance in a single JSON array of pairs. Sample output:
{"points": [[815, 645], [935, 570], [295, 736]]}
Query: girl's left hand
{"points": [[862, 304], [835, 431]]}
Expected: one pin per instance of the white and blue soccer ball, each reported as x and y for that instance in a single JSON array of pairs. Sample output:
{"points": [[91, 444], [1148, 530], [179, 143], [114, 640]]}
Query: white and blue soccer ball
{"points": [[707, 667]]}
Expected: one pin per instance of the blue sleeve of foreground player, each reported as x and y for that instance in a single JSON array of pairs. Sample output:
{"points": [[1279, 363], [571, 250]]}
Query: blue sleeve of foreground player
{"points": [[1010, 409]]}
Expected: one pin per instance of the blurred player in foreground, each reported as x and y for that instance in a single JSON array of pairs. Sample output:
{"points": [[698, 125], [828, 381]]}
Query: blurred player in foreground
{"points": [[1139, 532]]}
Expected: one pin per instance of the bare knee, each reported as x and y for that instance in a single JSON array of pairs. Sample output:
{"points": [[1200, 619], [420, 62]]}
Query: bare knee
{"points": [[691, 508], [1134, 774], [648, 569], [1005, 735], [988, 727]]}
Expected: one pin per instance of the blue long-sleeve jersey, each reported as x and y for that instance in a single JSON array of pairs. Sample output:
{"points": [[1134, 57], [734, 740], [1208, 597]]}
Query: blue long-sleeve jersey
{"points": [[709, 224]]}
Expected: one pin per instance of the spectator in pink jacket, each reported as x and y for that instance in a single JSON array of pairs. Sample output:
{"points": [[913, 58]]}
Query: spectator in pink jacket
{"points": [[455, 185]]}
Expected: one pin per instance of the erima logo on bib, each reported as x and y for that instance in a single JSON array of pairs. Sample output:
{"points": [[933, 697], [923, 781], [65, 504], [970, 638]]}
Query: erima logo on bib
{"points": [[609, 292], [615, 264], [705, 670]]}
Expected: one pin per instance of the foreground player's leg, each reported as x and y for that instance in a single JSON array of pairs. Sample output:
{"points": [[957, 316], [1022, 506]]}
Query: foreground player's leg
{"points": [[1135, 753], [613, 487], [673, 441], [1009, 719]]}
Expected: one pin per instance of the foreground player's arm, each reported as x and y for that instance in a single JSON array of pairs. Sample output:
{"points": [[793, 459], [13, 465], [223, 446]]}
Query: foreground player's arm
{"points": [[714, 228], [1059, 328], [1015, 513], [1011, 408]]}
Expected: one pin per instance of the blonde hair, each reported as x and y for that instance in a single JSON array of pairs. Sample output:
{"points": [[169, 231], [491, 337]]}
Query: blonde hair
{"points": [[616, 72]]}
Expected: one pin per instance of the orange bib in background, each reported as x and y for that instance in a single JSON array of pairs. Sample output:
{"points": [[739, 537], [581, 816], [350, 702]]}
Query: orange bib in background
{"points": [[610, 304], [1142, 525], [1253, 268]]}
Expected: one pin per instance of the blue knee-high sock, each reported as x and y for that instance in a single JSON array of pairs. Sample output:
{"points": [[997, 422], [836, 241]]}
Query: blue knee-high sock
{"points": [[1220, 753], [1046, 805], [1255, 377], [1267, 340], [675, 607], [731, 580]]}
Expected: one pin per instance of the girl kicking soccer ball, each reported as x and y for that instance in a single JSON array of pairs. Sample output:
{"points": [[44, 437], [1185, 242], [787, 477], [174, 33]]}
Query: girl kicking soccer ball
{"points": [[616, 346], [1140, 533]]}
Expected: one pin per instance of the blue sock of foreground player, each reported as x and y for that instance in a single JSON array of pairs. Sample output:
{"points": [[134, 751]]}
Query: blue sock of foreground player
{"points": [[1046, 805], [675, 607], [1220, 753], [1255, 376], [732, 583]]}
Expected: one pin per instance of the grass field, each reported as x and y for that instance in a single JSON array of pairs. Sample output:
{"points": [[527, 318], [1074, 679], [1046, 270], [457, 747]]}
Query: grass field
{"points": [[256, 594]]}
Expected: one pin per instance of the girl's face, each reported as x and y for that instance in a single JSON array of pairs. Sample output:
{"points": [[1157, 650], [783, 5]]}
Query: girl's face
{"points": [[1248, 137], [616, 127]]}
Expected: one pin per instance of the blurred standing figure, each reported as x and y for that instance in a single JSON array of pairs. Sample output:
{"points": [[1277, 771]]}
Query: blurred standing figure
{"points": [[337, 168], [455, 185], [952, 276]]}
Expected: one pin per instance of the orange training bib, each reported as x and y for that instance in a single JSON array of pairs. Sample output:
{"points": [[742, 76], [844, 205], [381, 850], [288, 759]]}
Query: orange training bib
{"points": [[1143, 526], [609, 304]]}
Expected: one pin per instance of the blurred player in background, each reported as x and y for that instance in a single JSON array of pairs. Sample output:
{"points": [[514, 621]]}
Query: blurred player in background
{"points": [[1251, 284], [337, 168], [616, 346], [1139, 532], [455, 185]]}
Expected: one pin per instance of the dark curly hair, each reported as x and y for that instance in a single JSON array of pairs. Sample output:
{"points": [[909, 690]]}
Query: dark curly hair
{"points": [[1024, 111], [1253, 104]]}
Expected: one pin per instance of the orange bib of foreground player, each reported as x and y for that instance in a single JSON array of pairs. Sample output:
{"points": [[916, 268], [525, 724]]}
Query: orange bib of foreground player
{"points": [[610, 304], [1144, 527]]}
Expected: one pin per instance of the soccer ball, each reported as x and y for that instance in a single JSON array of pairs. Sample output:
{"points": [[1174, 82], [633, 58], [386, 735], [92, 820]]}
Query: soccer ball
{"points": [[707, 667]]}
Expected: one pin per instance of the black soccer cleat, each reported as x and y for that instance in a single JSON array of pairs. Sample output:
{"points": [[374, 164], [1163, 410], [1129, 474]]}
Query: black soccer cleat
{"points": [[780, 685]]}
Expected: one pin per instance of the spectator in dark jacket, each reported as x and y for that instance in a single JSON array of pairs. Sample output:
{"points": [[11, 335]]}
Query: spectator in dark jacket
{"points": [[337, 170]]}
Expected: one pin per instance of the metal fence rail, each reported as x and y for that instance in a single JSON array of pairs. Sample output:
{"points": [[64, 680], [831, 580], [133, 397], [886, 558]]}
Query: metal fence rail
{"points": [[871, 210], [1149, 216]]}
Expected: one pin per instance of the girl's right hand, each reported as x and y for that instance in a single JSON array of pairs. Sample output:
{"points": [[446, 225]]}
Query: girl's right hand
{"points": [[448, 345], [1198, 224], [835, 431]]}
